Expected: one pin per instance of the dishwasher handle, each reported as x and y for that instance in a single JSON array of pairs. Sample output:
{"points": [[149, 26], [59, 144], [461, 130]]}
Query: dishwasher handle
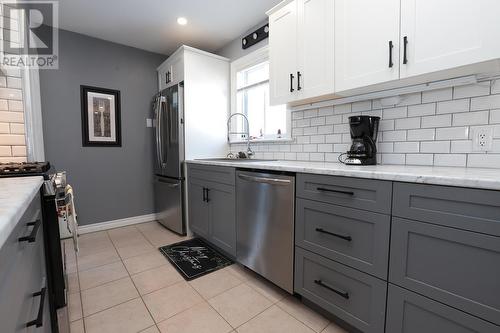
{"points": [[272, 181]]}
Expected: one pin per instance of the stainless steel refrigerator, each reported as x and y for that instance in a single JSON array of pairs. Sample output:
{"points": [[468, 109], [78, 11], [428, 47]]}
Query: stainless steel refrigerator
{"points": [[169, 158]]}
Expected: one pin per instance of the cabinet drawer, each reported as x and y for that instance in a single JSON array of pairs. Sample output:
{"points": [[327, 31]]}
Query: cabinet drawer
{"points": [[367, 194], [408, 312], [353, 296], [218, 174], [463, 208], [353, 237], [456, 267]]}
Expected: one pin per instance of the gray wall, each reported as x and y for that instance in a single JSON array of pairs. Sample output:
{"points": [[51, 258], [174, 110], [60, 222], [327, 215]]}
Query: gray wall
{"points": [[109, 182], [233, 49]]}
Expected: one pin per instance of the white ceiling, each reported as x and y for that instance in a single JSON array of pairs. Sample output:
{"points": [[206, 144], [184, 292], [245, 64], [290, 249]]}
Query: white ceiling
{"points": [[152, 24]]}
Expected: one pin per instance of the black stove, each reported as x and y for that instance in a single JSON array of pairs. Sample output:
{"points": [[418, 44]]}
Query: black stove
{"points": [[24, 169]]}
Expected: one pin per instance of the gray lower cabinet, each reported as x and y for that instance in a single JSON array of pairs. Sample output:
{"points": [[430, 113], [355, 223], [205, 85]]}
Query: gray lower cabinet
{"points": [[357, 238], [463, 208], [355, 297], [366, 194], [459, 268], [23, 280], [212, 206], [408, 312]]}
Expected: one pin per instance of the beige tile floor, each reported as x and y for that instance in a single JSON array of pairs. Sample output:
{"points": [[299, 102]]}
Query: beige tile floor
{"points": [[119, 282]]}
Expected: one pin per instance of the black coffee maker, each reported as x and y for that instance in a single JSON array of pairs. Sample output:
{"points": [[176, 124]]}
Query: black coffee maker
{"points": [[364, 131]]}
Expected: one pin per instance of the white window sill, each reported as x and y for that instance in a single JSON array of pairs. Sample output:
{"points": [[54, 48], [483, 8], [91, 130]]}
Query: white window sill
{"points": [[276, 140]]}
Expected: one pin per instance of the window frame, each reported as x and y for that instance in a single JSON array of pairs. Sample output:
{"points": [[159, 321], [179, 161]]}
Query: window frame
{"points": [[249, 60]]}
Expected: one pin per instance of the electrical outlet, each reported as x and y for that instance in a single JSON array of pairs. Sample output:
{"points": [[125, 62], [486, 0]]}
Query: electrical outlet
{"points": [[149, 122], [482, 138]]}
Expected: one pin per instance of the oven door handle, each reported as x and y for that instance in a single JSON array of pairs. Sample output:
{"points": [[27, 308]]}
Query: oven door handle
{"points": [[272, 181]]}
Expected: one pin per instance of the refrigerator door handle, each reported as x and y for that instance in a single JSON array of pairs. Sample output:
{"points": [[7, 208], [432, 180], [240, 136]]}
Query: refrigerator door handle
{"points": [[158, 124], [163, 109]]}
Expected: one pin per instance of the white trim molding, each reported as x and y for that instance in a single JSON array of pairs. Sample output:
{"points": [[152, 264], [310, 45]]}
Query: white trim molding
{"points": [[100, 226]]}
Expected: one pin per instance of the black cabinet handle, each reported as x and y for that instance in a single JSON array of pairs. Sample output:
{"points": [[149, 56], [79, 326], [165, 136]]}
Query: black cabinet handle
{"points": [[391, 46], [207, 198], [291, 82], [38, 322], [166, 77], [322, 189], [347, 238], [204, 195], [405, 46], [298, 81], [32, 236], [344, 294]]}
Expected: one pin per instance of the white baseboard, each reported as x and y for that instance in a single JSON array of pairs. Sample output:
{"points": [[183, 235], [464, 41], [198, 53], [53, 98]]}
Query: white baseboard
{"points": [[85, 229]]}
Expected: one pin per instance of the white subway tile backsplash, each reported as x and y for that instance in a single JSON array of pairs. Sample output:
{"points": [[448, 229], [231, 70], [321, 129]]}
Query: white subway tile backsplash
{"points": [[471, 118], [393, 158], [495, 87], [483, 160], [428, 128], [317, 157], [4, 128], [455, 106], [495, 116], [472, 90], [407, 123], [392, 113], [485, 102], [392, 136], [341, 109], [436, 121], [361, 106], [4, 106], [437, 95], [326, 111], [422, 134], [419, 159], [452, 160], [435, 147], [406, 147], [422, 110], [317, 121], [452, 133]]}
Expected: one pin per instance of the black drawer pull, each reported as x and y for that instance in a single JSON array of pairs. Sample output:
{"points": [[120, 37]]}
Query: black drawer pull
{"points": [[32, 236], [405, 46], [347, 238], [291, 82], [334, 191], [38, 322], [344, 294], [390, 54], [204, 195], [298, 81], [207, 198]]}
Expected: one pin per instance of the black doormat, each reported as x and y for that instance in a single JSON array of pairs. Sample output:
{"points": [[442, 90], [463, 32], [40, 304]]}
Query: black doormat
{"points": [[194, 258]]}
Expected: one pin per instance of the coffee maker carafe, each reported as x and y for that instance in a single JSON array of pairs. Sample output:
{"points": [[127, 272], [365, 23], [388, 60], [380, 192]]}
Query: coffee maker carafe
{"points": [[364, 131]]}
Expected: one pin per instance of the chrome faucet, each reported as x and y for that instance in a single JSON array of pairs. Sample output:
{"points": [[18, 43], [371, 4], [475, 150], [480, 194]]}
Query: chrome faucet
{"points": [[249, 151]]}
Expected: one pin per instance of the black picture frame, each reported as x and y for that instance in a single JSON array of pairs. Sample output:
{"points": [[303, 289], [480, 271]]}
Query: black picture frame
{"points": [[114, 95]]}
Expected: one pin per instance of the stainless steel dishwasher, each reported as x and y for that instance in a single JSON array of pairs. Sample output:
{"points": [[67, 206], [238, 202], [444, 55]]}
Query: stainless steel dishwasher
{"points": [[265, 225]]}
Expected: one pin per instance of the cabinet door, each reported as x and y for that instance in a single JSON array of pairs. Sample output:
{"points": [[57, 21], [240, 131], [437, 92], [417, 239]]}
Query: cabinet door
{"points": [[448, 33], [163, 76], [176, 70], [363, 32], [222, 217], [197, 207], [315, 48], [283, 54]]}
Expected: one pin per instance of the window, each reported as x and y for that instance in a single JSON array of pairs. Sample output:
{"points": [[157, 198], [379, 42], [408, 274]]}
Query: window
{"points": [[250, 96]]}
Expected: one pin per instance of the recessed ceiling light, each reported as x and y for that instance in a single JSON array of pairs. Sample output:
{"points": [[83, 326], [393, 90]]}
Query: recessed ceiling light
{"points": [[182, 20]]}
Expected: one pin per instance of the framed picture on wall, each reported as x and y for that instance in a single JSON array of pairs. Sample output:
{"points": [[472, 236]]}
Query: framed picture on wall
{"points": [[100, 117]]}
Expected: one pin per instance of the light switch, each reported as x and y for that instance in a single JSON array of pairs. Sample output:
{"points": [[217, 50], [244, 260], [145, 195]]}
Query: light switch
{"points": [[149, 122]]}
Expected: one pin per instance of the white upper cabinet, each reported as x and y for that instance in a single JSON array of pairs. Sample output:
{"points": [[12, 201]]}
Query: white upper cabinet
{"points": [[283, 54], [366, 42], [301, 50], [445, 34], [315, 74], [171, 71]]}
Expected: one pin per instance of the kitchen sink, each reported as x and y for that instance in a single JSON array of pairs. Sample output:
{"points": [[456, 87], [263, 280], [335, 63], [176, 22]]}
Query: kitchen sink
{"points": [[227, 159]]}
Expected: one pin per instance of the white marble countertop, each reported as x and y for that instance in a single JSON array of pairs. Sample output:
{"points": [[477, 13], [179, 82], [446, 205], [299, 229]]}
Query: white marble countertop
{"points": [[451, 176], [16, 194]]}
